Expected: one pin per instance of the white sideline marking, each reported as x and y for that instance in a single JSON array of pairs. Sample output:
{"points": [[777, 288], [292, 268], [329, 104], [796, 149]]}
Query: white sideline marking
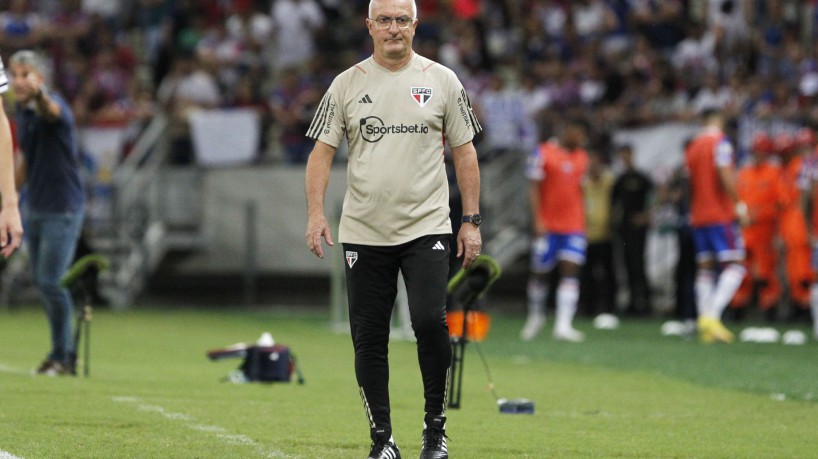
{"points": [[7, 455], [11, 370], [190, 422]]}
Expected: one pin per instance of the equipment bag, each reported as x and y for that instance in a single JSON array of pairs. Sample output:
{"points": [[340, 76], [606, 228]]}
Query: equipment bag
{"points": [[268, 364]]}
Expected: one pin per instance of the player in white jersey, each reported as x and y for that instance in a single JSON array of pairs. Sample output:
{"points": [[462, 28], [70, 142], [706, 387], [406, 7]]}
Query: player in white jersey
{"points": [[397, 110], [11, 226]]}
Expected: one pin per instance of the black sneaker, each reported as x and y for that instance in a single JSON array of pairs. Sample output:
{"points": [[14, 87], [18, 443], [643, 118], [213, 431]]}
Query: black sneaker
{"points": [[434, 444], [51, 368], [384, 449]]}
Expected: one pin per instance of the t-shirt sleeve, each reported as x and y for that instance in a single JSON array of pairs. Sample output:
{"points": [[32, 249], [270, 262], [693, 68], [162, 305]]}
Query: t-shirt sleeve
{"points": [[723, 154], [66, 114], [4, 81], [328, 124], [460, 123]]}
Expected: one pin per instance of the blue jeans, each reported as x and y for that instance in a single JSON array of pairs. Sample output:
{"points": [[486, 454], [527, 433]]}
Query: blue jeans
{"points": [[52, 241]]}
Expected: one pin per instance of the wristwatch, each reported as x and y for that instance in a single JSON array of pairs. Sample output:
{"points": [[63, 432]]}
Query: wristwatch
{"points": [[474, 219]]}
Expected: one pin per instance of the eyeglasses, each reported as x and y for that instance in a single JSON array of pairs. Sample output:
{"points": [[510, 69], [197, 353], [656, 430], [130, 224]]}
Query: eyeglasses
{"points": [[385, 22]]}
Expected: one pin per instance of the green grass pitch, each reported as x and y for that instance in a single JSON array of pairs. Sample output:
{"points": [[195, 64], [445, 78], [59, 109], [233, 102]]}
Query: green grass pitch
{"points": [[629, 393]]}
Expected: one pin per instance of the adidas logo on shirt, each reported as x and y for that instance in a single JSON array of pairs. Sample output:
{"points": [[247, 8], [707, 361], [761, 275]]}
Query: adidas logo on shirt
{"points": [[439, 246], [365, 100]]}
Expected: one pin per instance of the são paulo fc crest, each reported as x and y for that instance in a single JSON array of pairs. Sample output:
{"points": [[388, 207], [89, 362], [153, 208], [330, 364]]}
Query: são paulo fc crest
{"points": [[352, 257], [421, 95]]}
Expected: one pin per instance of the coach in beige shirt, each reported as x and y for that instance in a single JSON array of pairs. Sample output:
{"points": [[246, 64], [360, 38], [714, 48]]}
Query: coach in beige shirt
{"points": [[397, 110]]}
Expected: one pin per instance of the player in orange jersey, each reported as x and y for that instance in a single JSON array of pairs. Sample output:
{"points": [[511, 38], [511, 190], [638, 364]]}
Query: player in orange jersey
{"points": [[556, 170], [792, 223], [714, 209], [759, 186]]}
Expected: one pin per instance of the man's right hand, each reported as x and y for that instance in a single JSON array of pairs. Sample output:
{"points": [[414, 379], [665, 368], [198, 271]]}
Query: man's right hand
{"points": [[317, 227], [11, 230]]}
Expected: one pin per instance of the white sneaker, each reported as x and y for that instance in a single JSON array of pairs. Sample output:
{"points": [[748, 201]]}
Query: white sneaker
{"points": [[533, 325], [606, 321], [569, 334]]}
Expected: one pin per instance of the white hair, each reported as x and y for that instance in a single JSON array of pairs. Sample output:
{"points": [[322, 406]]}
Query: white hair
{"points": [[414, 8], [34, 61], [28, 58]]}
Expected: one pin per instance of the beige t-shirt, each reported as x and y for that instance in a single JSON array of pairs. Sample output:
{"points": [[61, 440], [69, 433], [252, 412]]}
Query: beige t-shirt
{"points": [[396, 124]]}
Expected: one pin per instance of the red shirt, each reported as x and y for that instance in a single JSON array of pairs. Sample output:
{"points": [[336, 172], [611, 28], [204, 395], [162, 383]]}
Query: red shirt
{"points": [[709, 202], [559, 173]]}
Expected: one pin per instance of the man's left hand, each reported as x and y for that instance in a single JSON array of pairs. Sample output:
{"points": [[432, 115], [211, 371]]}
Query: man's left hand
{"points": [[469, 243]]}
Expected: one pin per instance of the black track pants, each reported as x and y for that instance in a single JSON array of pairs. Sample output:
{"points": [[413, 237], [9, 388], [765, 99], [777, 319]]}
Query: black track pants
{"points": [[372, 274]]}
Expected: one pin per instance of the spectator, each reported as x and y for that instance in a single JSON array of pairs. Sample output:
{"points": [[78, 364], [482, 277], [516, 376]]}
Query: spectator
{"points": [[631, 203], [106, 9], [292, 105], [771, 33], [221, 53], [295, 23], [598, 279], [152, 21], [676, 194], [253, 29], [247, 94], [593, 19], [553, 15], [727, 20], [694, 56], [68, 27], [659, 21], [74, 68], [665, 101], [711, 96], [20, 27], [508, 128], [188, 87], [536, 99], [56, 200], [106, 86], [465, 51]]}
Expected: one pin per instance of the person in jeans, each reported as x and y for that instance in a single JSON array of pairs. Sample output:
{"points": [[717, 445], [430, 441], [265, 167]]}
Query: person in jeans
{"points": [[50, 169]]}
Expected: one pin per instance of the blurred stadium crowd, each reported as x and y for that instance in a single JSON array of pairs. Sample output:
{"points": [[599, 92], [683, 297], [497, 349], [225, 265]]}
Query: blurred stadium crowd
{"points": [[526, 64]]}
